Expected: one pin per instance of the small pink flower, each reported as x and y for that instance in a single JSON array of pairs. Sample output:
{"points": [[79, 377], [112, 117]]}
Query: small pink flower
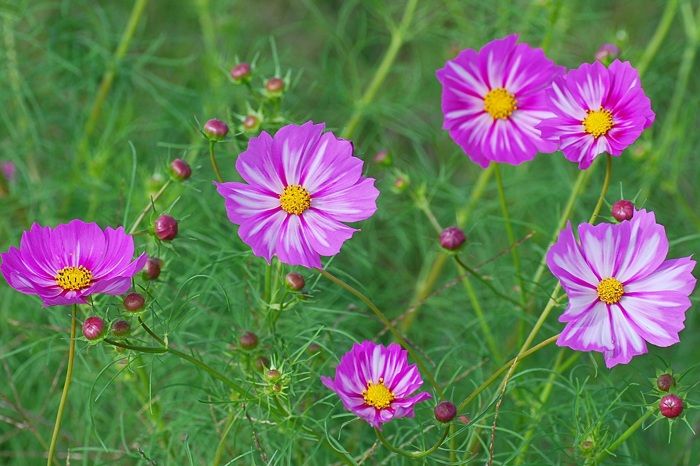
{"points": [[622, 291], [493, 99], [68, 263], [597, 109], [300, 186], [376, 382]]}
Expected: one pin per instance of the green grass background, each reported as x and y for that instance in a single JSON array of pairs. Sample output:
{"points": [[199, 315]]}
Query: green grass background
{"points": [[172, 75]]}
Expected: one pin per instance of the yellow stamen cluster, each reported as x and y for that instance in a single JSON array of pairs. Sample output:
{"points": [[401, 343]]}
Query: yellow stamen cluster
{"points": [[73, 278], [378, 395], [295, 199], [499, 103], [610, 290], [598, 122]]}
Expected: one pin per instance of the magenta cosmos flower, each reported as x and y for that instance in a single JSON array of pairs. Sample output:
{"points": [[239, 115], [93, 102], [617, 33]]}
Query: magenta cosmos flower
{"points": [[68, 263], [493, 99], [375, 382], [622, 291], [597, 109], [300, 185]]}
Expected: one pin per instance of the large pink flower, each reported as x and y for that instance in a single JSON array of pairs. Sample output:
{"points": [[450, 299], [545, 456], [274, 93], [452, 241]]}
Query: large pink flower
{"points": [[300, 186], [68, 263], [622, 291], [597, 109], [493, 99], [376, 382]]}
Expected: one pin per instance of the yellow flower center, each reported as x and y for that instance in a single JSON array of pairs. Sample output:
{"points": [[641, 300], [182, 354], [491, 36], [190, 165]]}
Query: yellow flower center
{"points": [[610, 290], [295, 199], [598, 122], [73, 278], [499, 103], [378, 395]]}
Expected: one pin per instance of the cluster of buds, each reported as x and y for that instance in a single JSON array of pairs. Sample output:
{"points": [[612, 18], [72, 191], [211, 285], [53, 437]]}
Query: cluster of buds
{"points": [[671, 403]]}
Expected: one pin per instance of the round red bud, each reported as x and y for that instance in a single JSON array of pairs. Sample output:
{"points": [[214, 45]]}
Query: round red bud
{"points": [[165, 228], [134, 302], [93, 328]]}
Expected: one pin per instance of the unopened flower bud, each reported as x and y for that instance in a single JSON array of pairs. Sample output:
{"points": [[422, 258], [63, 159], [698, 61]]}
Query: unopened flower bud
{"points": [[165, 228], [401, 183], [295, 281], [314, 348], [273, 375], [383, 157], [671, 406], [587, 445], [248, 340], [262, 363], [452, 238], [664, 382], [93, 328], [180, 169], [274, 87], [607, 53], [120, 328], [445, 411], [215, 129], [622, 210], [151, 270], [251, 123], [241, 73], [134, 302]]}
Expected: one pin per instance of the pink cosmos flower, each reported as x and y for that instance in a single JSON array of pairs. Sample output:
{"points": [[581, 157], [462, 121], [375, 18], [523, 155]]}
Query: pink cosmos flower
{"points": [[622, 291], [68, 263], [375, 382], [597, 109], [493, 99], [300, 185]]}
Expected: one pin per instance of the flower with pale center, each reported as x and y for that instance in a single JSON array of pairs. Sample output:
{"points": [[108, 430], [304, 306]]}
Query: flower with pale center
{"points": [[493, 99], [596, 110], [623, 293], [376, 382], [301, 186], [68, 263]]}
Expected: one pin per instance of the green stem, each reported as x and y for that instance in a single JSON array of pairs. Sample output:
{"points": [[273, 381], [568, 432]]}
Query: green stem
{"points": [[66, 387], [661, 31], [214, 164], [625, 435], [483, 323], [413, 454], [387, 323], [603, 190], [110, 73], [148, 330], [148, 207], [514, 252], [398, 37], [486, 383], [488, 284], [222, 442]]}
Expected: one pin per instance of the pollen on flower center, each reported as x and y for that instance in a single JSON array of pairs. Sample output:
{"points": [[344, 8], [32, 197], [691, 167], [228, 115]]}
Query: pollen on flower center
{"points": [[73, 278], [295, 199], [499, 103], [610, 290], [598, 122], [378, 395]]}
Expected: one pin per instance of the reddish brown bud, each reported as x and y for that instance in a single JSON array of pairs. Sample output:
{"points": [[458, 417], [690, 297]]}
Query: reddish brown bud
{"points": [[165, 228], [273, 374], [248, 340], [180, 169], [274, 87], [665, 382], [93, 328], [134, 302], [120, 328], [215, 129], [241, 73], [622, 210], [295, 281], [445, 411], [151, 270], [671, 406], [452, 238]]}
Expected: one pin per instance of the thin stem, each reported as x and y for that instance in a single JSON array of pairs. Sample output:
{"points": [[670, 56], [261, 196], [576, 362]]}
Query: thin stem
{"points": [[603, 190], [488, 284], [515, 254], [486, 383], [222, 441], [413, 454], [625, 435], [151, 332], [66, 387], [387, 323], [658, 37], [148, 207], [398, 38], [214, 164], [485, 327]]}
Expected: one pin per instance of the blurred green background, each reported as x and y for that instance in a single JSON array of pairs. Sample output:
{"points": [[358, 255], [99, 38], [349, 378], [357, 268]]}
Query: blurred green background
{"points": [[96, 98]]}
